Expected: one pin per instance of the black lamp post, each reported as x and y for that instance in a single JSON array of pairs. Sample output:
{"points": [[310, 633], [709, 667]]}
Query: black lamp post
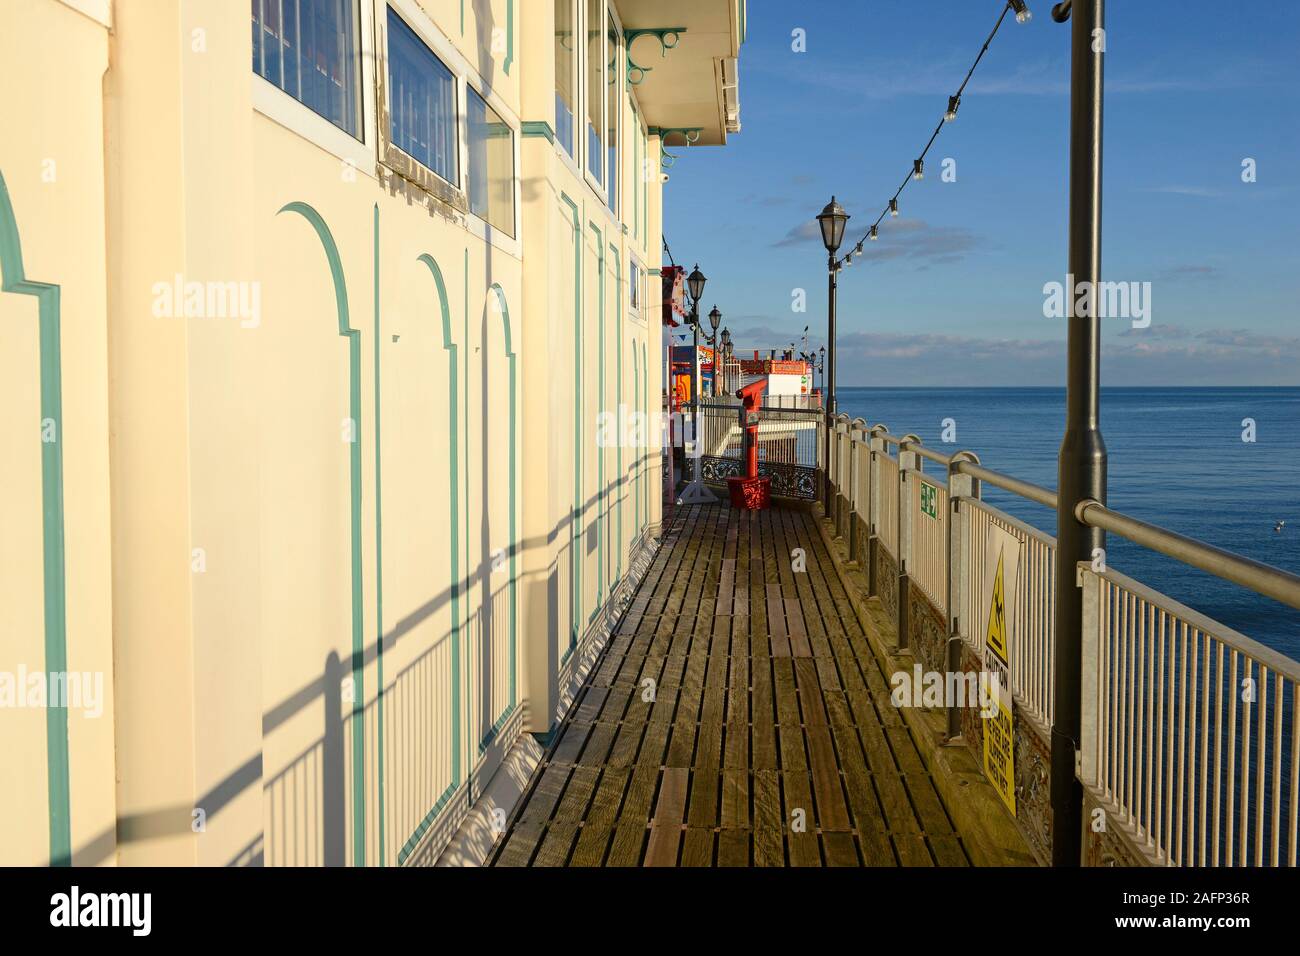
{"points": [[832, 221], [1082, 462], [695, 289], [715, 319], [720, 362]]}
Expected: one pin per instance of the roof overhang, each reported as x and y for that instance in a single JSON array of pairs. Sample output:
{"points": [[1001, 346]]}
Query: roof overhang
{"points": [[688, 50]]}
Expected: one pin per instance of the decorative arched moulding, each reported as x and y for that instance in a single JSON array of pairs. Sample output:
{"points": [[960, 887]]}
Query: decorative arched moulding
{"points": [[668, 38], [453, 504], [353, 338], [496, 298], [48, 295], [691, 134]]}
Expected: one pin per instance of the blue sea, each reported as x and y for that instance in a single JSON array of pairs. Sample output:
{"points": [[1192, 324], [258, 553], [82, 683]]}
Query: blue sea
{"points": [[1176, 459]]}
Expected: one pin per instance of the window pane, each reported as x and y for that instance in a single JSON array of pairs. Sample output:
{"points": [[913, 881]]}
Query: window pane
{"points": [[611, 115], [308, 48], [421, 101], [634, 287], [491, 180], [566, 54], [595, 88]]}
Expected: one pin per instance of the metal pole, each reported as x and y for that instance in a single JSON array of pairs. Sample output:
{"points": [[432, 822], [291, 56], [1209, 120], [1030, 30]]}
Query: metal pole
{"points": [[695, 383], [717, 366], [828, 377], [1082, 464]]}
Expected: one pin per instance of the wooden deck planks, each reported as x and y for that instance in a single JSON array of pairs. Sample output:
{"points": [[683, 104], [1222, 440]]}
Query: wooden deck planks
{"points": [[735, 718]]}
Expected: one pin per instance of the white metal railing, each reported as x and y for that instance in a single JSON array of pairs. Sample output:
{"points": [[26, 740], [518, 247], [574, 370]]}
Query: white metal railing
{"points": [[858, 495], [887, 526], [843, 449], [928, 563], [785, 435], [1033, 627], [1190, 730]]}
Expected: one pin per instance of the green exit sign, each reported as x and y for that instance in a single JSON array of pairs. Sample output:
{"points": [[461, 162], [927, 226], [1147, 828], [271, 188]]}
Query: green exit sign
{"points": [[930, 500]]}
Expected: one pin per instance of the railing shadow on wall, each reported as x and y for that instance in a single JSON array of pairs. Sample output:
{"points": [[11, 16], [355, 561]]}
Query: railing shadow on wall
{"points": [[316, 780]]}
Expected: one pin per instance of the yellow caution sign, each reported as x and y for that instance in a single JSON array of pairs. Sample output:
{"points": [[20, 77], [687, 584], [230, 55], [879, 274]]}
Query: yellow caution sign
{"points": [[996, 636], [1002, 562]]}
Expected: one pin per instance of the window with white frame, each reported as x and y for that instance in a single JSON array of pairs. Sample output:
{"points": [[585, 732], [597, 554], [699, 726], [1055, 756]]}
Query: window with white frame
{"points": [[566, 68], [310, 49], [634, 278], [595, 68], [613, 87], [491, 164], [421, 102]]}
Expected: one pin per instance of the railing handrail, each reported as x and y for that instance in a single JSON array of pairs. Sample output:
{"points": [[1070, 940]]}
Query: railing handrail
{"points": [[1024, 527], [1025, 489], [1255, 575], [1265, 579], [934, 456]]}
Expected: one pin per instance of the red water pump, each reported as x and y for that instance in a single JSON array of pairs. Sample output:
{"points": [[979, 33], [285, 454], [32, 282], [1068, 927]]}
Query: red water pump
{"points": [[750, 492]]}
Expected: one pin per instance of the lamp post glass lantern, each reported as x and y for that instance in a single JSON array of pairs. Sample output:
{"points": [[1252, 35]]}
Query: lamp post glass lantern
{"points": [[832, 220], [695, 283], [695, 289]]}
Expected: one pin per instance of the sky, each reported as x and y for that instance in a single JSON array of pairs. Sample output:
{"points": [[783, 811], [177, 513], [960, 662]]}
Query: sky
{"points": [[953, 291]]}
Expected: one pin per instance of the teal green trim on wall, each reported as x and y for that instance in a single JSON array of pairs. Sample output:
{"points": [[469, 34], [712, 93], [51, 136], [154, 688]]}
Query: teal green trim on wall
{"points": [[510, 37], [645, 404], [464, 411], [636, 460], [538, 128], [575, 558], [601, 524], [618, 409], [495, 729], [354, 453], [644, 175], [379, 562], [453, 462], [414, 839], [640, 173], [48, 297]]}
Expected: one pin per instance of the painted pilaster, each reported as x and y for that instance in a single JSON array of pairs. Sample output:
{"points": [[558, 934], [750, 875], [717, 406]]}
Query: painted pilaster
{"points": [[186, 578]]}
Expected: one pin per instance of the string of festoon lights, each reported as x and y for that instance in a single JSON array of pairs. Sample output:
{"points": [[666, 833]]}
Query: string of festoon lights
{"points": [[1023, 15]]}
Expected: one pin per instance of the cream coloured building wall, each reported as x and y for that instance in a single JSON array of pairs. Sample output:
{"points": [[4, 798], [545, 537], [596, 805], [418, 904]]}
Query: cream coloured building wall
{"points": [[55, 569], [331, 556]]}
